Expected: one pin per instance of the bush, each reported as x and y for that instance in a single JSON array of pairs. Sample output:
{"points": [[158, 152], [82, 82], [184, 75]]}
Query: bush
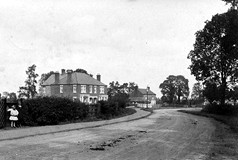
{"points": [[109, 109], [121, 99], [51, 111], [226, 109]]}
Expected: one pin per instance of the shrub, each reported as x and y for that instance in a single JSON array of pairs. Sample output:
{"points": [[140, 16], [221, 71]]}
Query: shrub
{"points": [[109, 109], [121, 98], [226, 109]]}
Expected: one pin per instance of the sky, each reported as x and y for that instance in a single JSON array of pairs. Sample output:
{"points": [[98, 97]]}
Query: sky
{"points": [[141, 41]]}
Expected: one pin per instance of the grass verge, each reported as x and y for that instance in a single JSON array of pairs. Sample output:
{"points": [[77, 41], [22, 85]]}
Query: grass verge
{"points": [[231, 121]]}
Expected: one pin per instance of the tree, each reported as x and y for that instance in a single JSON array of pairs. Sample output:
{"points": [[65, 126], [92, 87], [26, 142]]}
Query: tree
{"points": [[43, 78], [175, 87], [120, 93], [115, 88], [79, 70], [233, 3], [211, 92], [234, 94], [197, 93], [214, 57], [12, 97], [29, 90], [5, 94]]}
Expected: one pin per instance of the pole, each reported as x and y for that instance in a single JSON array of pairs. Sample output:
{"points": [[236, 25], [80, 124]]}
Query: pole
{"points": [[147, 97]]}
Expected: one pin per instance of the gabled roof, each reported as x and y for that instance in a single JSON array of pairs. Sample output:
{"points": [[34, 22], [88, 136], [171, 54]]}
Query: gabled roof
{"points": [[144, 91], [76, 78]]}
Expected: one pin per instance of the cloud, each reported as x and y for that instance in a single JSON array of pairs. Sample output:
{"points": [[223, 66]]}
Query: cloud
{"points": [[2, 69]]}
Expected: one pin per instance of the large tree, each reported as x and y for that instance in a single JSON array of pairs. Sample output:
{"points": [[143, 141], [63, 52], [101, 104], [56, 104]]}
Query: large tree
{"points": [[214, 57], [233, 3], [175, 87], [29, 90], [115, 88], [197, 92], [120, 93]]}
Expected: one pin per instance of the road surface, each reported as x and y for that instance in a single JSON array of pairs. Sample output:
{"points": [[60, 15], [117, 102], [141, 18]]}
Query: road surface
{"points": [[166, 134]]}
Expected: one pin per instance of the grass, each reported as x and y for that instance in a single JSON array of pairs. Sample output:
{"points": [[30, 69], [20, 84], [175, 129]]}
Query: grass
{"points": [[231, 121]]}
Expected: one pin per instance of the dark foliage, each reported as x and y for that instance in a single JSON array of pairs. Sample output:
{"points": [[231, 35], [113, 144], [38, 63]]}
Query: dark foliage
{"points": [[51, 111], [120, 98], [174, 88], [109, 109], [55, 110], [227, 109]]}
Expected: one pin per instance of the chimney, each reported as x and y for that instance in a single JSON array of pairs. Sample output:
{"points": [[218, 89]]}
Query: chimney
{"points": [[148, 88], [98, 77], [56, 77], [90, 75], [62, 71], [69, 70], [69, 76]]}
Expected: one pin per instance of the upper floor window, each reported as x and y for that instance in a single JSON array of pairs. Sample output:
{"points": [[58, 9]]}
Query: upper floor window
{"points": [[61, 88], [90, 89], [101, 89], [83, 88], [95, 89], [74, 88]]}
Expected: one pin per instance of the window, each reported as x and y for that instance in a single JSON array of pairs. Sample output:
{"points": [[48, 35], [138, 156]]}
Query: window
{"points": [[81, 98], [90, 89], [95, 89], [61, 88], [74, 88], [74, 98], [83, 88], [101, 89]]}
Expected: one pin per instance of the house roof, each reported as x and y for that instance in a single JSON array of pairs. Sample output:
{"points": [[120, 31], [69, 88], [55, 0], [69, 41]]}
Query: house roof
{"points": [[76, 78], [144, 91]]}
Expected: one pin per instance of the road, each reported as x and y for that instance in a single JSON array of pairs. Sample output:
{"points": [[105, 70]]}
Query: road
{"points": [[166, 134]]}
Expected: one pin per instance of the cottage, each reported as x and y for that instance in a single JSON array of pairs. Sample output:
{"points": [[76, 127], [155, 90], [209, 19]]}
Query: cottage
{"points": [[143, 96], [75, 85]]}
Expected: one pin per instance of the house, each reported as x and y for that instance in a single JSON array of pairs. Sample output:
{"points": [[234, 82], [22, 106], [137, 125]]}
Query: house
{"points": [[143, 96], [75, 85]]}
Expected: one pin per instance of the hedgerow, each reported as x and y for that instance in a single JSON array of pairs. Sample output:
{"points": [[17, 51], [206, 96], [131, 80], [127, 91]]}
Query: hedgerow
{"points": [[55, 110], [51, 111]]}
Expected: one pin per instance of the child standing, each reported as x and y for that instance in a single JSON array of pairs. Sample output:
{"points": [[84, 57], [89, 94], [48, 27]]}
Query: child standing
{"points": [[13, 115]]}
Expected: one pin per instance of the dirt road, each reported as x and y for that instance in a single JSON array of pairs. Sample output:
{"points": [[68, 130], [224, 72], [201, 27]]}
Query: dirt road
{"points": [[166, 134]]}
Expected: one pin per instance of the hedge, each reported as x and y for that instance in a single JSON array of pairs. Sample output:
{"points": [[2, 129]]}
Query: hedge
{"points": [[54, 110], [51, 111]]}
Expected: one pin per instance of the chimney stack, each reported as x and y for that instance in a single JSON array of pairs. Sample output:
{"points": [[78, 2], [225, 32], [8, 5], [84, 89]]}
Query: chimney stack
{"points": [[62, 71], [69, 76], [148, 88], [56, 77], [99, 77]]}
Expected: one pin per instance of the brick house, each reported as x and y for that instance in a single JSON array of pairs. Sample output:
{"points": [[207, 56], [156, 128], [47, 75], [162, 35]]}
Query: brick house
{"points": [[76, 86], [139, 95]]}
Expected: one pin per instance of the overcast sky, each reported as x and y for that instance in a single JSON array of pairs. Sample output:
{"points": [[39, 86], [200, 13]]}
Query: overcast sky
{"points": [[141, 41]]}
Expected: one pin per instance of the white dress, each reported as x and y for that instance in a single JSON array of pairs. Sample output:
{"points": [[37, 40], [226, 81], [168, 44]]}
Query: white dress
{"points": [[13, 114]]}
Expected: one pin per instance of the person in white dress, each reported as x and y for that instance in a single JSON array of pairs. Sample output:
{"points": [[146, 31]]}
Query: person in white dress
{"points": [[13, 115]]}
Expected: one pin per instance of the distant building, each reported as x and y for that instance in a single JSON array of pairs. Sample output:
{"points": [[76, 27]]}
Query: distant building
{"points": [[76, 86], [140, 95]]}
